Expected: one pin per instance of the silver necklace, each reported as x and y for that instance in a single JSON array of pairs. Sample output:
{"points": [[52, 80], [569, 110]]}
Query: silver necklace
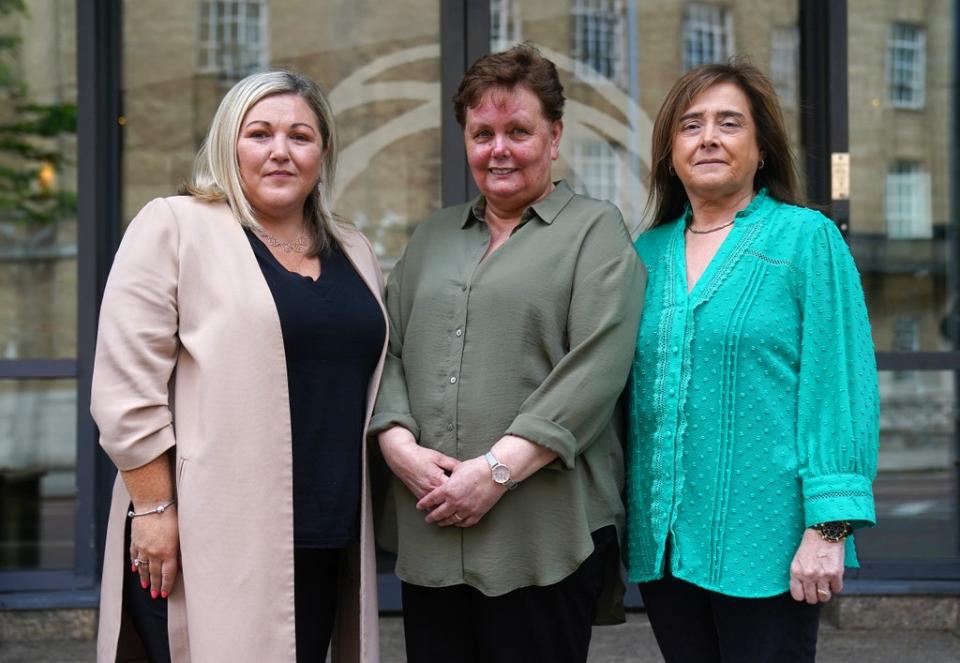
{"points": [[299, 245], [712, 230]]}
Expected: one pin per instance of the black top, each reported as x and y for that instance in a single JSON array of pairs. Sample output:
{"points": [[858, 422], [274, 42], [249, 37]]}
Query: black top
{"points": [[333, 332]]}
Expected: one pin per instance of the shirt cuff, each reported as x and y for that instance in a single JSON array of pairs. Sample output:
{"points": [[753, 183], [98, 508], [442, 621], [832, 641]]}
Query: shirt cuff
{"points": [[833, 497], [547, 434], [381, 421]]}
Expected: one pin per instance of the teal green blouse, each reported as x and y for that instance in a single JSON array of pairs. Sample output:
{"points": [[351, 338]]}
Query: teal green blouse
{"points": [[754, 410]]}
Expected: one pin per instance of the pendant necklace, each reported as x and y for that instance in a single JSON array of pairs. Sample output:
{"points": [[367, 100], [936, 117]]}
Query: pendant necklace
{"points": [[299, 245]]}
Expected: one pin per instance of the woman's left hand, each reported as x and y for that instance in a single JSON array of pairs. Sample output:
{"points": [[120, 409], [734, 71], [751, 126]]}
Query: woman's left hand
{"points": [[465, 497], [816, 573]]}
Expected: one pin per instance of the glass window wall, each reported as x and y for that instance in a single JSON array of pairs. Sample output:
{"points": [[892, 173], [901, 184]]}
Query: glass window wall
{"points": [[380, 69], [38, 284], [904, 239], [37, 474], [646, 46]]}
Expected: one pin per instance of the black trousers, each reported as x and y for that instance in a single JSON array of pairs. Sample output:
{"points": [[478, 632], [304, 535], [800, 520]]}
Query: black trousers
{"points": [[316, 573], [147, 616], [549, 624], [696, 625]]}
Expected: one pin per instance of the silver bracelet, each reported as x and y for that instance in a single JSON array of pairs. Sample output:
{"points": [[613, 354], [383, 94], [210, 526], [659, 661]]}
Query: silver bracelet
{"points": [[159, 509]]}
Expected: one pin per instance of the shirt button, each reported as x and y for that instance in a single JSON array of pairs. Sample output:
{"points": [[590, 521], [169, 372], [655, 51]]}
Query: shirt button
{"points": [[453, 379], [673, 392], [459, 332], [676, 349], [449, 426]]}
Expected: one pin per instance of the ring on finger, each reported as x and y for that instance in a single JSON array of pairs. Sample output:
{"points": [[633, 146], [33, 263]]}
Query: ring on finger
{"points": [[825, 593], [458, 517]]}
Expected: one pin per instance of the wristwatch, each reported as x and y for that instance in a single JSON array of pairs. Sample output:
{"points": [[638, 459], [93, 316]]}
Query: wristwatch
{"points": [[499, 471], [835, 531]]}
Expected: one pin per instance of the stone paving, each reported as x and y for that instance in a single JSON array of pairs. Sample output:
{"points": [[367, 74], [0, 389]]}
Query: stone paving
{"points": [[630, 643]]}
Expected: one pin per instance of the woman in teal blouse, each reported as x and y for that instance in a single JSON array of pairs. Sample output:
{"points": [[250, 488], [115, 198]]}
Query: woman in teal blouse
{"points": [[754, 404]]}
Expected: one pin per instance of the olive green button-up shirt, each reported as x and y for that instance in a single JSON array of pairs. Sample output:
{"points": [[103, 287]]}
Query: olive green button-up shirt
{"points": [[535, 340]]}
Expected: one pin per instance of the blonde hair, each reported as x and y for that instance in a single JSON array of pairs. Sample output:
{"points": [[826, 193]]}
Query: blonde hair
{"points": [[216, 170]]}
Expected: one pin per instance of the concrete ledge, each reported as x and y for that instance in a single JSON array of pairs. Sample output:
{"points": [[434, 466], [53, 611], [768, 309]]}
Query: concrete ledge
{"points": [[41, 625], [940, 613], [853, 613]]}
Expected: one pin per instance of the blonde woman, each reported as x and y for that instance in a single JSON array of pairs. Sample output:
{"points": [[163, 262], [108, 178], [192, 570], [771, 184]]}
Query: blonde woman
{"points": [[241, 344]]}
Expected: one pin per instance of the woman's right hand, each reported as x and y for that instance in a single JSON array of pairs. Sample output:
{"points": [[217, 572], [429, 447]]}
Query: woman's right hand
{"points": [[420, 469], [155, 541]]}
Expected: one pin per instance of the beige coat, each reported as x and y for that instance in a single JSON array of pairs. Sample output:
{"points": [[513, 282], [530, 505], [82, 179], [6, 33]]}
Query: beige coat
{"points": [[190, 339]]}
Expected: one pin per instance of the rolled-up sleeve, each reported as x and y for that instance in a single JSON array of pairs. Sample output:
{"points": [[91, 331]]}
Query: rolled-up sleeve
{"points": [[137, 341], [575, 401], [838, 400]]}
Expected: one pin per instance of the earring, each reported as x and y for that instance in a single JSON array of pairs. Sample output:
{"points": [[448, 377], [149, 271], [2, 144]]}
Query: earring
{"points": [[760, 165]]}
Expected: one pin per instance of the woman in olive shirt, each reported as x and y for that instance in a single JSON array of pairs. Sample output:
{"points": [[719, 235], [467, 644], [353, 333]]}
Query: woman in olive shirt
{"points": [[513, 319]]}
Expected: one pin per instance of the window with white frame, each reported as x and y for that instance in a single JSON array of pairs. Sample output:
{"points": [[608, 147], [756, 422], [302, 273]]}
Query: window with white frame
{"points": [[232, 38], [504, 24], [597, 169], [909, 213], [906, 65], [707, 35], [599, 39], [784, 63]]}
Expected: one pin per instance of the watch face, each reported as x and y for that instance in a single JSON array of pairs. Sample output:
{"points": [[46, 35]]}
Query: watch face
{"points": [[501, 474], [834, 531]]}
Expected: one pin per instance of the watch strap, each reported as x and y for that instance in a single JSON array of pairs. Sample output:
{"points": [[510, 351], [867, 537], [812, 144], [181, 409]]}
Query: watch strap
{"points": [[834, 531]]}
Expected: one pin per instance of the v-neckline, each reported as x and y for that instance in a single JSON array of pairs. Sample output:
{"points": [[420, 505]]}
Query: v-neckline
{"points": [[746, 215], [276, 262], [718, 258]]}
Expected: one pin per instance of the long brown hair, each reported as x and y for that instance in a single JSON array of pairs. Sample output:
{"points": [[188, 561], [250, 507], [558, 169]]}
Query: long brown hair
{"points": [[779, 174]]}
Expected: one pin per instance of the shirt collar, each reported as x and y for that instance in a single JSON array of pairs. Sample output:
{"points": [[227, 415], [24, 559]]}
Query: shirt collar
{"points": [[546, 210]]}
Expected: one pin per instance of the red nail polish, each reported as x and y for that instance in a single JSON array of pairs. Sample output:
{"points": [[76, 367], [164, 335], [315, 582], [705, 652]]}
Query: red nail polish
{"points": [[133, 568], [153, 594], [164, 594], [144, 584]]}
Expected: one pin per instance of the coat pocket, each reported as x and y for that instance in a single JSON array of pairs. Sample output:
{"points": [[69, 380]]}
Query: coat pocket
{"points": [[181, 464]]}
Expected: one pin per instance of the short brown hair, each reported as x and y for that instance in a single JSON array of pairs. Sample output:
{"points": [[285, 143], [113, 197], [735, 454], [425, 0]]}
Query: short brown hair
{"points": [[779, 173], [520, 65]]}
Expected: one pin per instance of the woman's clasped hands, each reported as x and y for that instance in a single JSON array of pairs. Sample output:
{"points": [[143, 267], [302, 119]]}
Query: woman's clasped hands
{"points": [[452, 492], [465, 497]]}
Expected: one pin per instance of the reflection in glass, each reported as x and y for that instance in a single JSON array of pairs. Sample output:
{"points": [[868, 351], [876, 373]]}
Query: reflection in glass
{"points": [[37, 473], [900, 115], [619, 58], [916, 489], [707, 35], [38, 243], [379, 65]]}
